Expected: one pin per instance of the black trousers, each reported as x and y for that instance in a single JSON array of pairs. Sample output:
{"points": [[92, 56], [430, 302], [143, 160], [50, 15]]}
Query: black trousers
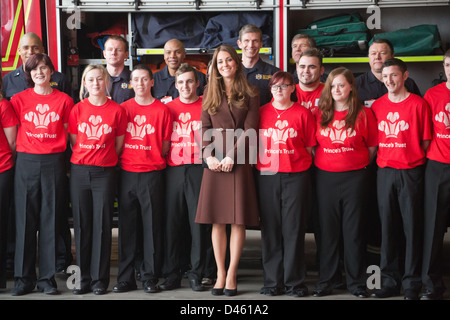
{"points": [[342, 197], [38, 193], [182, 190], [6, 183], [92, 191], [400, 202], [284, 203], [141, 200], [437, 213]]}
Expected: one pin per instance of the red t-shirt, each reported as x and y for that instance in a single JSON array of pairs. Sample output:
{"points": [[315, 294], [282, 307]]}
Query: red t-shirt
{"points": [[283, 140], [438, 98], [402, 127], [309, 99], [7, 119], [42, 119], [148, 126], [96, 128], [340, 149], [186, 134]]}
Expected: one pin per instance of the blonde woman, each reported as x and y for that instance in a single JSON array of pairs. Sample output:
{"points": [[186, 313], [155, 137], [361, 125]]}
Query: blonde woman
{"points": [[228, 195], [97, 126]]}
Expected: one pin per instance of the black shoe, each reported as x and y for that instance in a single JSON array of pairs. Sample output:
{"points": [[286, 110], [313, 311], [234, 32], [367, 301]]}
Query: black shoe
{"points": [[20, 291], [170, 283], [299, 292], [195, 282], [361, 293], [151, 286], [430, 295], [271, 291], [230, 292], [81, 291], [99, 291], [124, 286], [321, 292], [386, 292], [217, 291], [411, 295], [48, 290]]}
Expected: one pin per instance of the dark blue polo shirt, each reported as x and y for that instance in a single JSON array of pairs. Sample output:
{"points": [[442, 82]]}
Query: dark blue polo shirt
{"points": [[165, 85], [121, 89], [259, 76], [370, 88], [14, 82]]}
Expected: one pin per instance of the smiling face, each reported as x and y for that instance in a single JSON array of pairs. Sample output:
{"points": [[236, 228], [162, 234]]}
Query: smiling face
{"points": [[226, 65], [394, 79], [141, 82], [29, 45], [174, 55], [340, 89], [187, 86], [281, 91], [41, 75], [95, 82], [250, 43], [309, 70]]}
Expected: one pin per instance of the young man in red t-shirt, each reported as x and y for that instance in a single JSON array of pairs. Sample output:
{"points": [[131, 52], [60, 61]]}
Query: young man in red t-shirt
{"points": [[404, 133], [309, 87], [183, 180], [437, 187], [141, 198]]}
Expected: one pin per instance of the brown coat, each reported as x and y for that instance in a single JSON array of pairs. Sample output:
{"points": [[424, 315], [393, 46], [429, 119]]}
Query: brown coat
{"points": [[229, 197]]}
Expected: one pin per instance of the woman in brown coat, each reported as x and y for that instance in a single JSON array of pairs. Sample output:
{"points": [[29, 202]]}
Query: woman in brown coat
{"points": [[228, 195]]}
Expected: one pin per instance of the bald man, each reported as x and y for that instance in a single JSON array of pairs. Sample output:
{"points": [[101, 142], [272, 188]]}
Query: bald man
{"points": [[164, 88], [14, 82]]}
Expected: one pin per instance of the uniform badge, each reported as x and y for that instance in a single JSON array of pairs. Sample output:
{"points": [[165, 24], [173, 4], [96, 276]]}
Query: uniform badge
{"points": [[124, 85], [259, 76]]}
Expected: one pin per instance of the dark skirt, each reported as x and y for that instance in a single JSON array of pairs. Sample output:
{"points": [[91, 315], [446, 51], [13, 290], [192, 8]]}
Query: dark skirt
{"points": [[228, 197]]}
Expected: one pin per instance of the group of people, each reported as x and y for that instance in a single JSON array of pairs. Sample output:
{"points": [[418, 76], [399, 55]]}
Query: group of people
{"points": [[195, 159]]}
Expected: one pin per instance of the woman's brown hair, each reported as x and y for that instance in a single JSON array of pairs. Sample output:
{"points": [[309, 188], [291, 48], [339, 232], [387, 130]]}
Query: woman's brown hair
{"points": [[326, 103], [216, 86]]}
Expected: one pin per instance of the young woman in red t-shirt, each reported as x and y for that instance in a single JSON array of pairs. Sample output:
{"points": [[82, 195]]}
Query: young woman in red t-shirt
{"points": [[286, 140], [346, 142], [8, 122], [97, 128], [40, 175]]}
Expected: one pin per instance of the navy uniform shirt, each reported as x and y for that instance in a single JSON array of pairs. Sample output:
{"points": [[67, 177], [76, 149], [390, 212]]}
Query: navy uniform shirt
{"points": [[260, 76], [121, 89], [164, 87], [14, 82], [370, 88]]}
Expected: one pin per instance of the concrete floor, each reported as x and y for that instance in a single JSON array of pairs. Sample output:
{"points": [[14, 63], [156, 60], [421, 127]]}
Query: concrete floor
{"points": [[249, 283]]}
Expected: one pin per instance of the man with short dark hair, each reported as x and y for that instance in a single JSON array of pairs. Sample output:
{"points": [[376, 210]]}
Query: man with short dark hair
{"points": [[404, 134], [258, 72], [174, 55], [14, 81], [370, 84]]}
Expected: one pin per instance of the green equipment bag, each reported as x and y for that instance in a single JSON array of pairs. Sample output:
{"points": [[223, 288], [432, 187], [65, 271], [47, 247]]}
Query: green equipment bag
{"points": [[340, 35], [415, 41]]}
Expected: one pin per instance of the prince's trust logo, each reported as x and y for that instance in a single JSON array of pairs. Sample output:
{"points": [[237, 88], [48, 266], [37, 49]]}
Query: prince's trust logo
{"points": [[281, 133], [184, 127], [336, 133], [392, 127], [444, 116], [42, 117], [94, 130], [139, 129]]}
